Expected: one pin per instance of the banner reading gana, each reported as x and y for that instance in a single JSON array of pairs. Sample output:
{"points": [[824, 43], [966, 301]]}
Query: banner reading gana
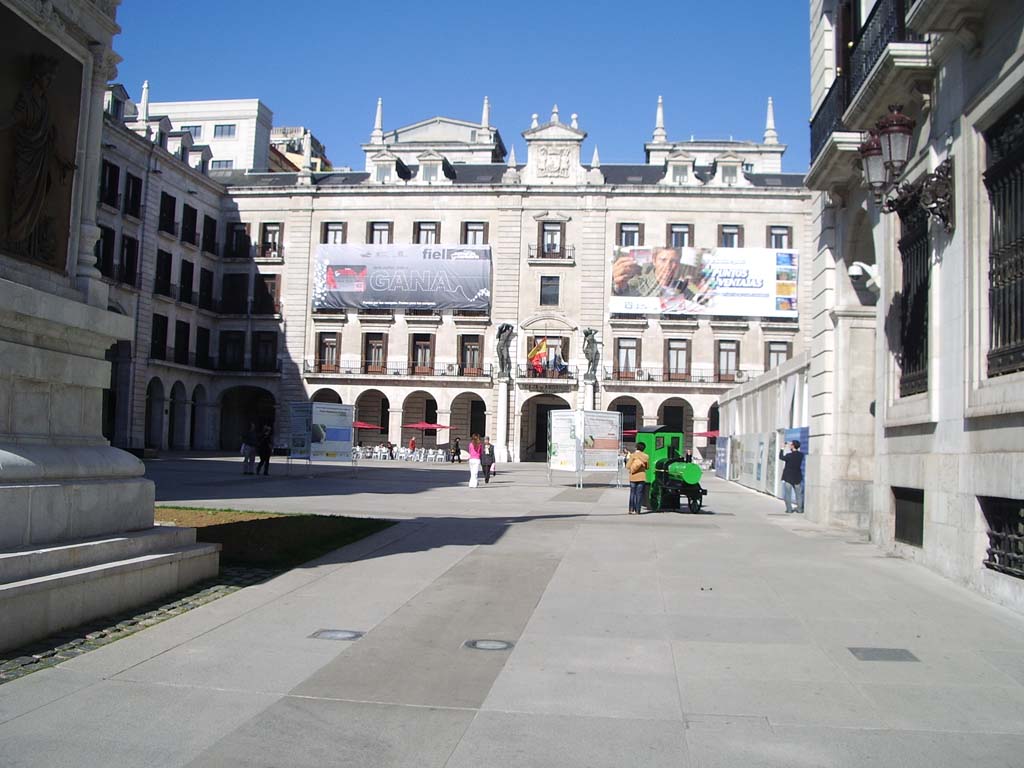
{"points": [[705, 281], [402, 277]]}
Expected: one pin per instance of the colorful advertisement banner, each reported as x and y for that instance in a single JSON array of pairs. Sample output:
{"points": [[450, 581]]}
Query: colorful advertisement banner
{"points": [[601, 431], [742, 282], [402, 277], [331, 432]]}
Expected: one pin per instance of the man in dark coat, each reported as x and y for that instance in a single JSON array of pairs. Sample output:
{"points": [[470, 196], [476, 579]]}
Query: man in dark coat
{"points": [[487, 459], [793, 478]]}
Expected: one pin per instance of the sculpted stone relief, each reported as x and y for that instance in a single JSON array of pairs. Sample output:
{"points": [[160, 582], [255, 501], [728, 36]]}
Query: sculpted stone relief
{"points": [[553, 162]]}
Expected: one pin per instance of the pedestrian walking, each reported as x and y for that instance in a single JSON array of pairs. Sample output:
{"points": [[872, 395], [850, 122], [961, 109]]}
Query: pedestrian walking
{"points": [[487, 459], [412, 444], [474, 459], [793, 478], [265, 447], [637, 465], [456, 451], [249, 439]]}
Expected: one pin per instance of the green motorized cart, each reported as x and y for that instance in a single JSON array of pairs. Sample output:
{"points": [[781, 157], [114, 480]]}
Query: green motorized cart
{"points": [[670, 476]]}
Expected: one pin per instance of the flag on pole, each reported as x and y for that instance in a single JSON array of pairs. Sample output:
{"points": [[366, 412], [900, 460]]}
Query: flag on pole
{"points": [[538, 355]]}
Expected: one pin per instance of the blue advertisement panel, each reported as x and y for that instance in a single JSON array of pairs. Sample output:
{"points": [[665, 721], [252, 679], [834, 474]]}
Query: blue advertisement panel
{"points": [[722, 458]]}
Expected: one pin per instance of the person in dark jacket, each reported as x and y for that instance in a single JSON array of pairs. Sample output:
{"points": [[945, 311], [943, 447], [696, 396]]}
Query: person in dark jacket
{"points": [[265, 447], [793, 478], [487, 459], [456, 451]]}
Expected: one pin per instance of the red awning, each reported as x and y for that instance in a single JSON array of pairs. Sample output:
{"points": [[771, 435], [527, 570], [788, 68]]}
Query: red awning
{"points": [[364, 425], [424, 425], [712, 433]]}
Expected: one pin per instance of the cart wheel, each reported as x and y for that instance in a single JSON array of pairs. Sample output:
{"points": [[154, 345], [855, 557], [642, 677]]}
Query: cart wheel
{"points": [[695, 504]]}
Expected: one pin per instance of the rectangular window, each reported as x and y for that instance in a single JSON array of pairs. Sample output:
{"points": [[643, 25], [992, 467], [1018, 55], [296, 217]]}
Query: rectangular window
{"points": [[105, 252], [327, 352], [374, 353], [110, 184], [429, 172], [264, 351], [629, 235], [168, 206], [203, 347], [383, 174], [915, 255], [239, 244], [222, 165], [729, 174], [333, 233], [426, 232], [189, 225], [552, 364], [380, 232], [209, 234], [679, 236], [730, 236], [235, 294], [133, 196], [677, 359], [1006, 243], [224, 131], [680, 174], [474, 233], [205, 288], [270, 241], [158, 338], [186, 275], [552, 239], [421, 353], [231, 356], [780, 237], [727, 358], [548, 291], [129, 272], [776, 353], [1005, 519], [195, 130], [265, 292], [909, 508], [182, 332], [627, 358], [470, 355], [162, 278]]}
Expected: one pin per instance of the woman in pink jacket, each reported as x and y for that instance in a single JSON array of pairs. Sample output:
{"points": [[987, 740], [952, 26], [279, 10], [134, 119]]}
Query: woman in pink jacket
{"points": [[474, 460]]}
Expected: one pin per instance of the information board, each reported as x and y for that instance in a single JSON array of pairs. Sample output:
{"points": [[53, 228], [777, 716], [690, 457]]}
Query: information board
{"points": [[563, 444], [331, 432], [300, 418], [601, 433]]}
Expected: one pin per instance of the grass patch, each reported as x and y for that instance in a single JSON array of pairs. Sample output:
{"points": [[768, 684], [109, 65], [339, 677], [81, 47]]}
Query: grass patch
{"points": [[269, 539]]}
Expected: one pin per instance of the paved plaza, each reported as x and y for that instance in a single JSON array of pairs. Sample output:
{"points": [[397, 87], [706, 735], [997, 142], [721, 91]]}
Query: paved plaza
{"points": [[722, 639]]}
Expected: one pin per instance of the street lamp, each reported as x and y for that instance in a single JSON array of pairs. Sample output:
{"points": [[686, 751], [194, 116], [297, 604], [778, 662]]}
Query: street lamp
{"points": [[894, 133], [875, 174]]}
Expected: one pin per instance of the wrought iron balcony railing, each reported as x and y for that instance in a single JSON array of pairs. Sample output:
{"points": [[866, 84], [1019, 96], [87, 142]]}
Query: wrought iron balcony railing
{"points": [[443, 370], [886, 24], [548, 251], [829, 117]]}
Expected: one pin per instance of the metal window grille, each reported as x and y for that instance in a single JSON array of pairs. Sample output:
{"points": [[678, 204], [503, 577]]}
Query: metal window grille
{"points": [[915, 254], [909, 509], [1005, 551], [1004, 180]]}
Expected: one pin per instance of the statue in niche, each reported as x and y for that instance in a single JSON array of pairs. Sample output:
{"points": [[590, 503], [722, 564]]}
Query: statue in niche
{"points": [[505, 333], [31, 233], [592, 352]]}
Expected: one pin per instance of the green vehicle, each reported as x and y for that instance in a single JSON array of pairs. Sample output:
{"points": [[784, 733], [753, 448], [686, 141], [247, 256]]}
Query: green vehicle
{"points": [[670, 475]]}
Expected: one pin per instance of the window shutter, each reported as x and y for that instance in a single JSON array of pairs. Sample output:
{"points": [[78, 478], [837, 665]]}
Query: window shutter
{"points": [[437, 231], [789, 350], [415, 231], [693, 235], [789, 237], [433, 350], [564, 349], [720, 236], [767, 355], [459, 351], [640, 235], [639, 353], [385, 360], [280, 238], [664, 359], [718, 358], [740, 237], [689, 357], [540, 239], [412, 351], [768, 236], [618, 234], [391, 232], [668, 235], [323, 232], [369, 232], [464, 237], [565, 250], [487, 238]]}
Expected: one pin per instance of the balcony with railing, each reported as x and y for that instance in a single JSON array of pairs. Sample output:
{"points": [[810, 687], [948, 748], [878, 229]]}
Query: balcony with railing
{"points": [[269, 252], [551, 253], [397, 370], [662, 376], [551, 374]]}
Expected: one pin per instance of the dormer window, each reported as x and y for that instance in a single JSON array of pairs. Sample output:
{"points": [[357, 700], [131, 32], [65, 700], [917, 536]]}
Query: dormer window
{"points": [[116, 109], [680, 174], [383, 174], [429, 172], [729, 175]]}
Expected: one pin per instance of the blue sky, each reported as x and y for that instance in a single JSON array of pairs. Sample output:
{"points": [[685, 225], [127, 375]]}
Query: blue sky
{"points": [[323, 65]]}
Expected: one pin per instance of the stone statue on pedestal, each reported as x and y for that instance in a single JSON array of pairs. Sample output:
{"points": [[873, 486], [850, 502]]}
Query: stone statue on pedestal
{"points": [[591, 351], [505, 333]]}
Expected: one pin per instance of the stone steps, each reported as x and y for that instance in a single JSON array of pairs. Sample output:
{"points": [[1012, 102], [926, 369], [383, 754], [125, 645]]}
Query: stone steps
{"points": [[31, 562], [43, 604]]}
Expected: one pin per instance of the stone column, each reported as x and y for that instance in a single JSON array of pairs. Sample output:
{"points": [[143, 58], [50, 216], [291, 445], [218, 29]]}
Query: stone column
{"points": [[587, 404], [104, 68], [501, 452], [443, 435], [395, 426], [700, 424]]}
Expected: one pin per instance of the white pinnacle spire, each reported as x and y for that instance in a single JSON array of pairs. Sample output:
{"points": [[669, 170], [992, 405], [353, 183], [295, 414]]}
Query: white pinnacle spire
{"points": [[377, 136], [485, 118], [595, 161], [659, 136], [554, 114], [770, 134], [533, 120], [512, 157], [144, 104]]}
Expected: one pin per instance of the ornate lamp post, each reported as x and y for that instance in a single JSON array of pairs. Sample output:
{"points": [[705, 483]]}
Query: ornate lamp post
{"points": [[894, 133], [875, 175]]}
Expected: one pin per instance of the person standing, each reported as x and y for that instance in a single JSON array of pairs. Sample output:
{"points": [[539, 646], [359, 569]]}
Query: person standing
{"points": [[456, 451], [249, 439], [793, 478], [487, 459], [265, 447], [474, 459], [637, 465]]}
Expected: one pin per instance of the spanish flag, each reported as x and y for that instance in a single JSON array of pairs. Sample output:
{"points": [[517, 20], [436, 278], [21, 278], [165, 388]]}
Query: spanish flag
{"points": [[538, 355]]}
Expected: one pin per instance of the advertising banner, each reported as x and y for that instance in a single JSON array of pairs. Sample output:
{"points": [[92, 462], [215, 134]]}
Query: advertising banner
{"points": [[331, 432], [402, 277], [563, 445], [300, 418], [722, 458], [705, 281], [601, 431]]}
